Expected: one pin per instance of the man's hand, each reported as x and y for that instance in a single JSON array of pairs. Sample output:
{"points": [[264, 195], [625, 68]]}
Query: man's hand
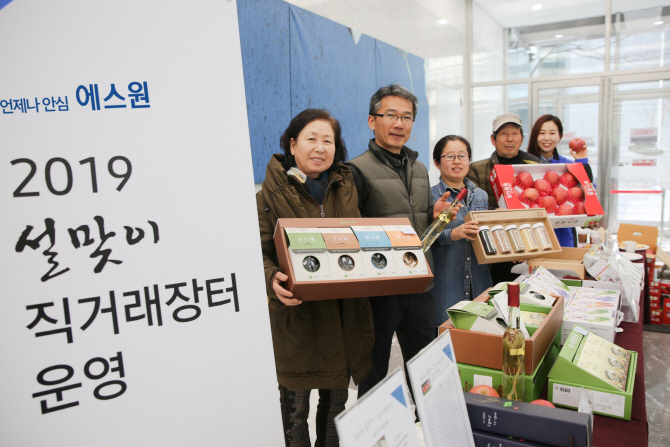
{"points": [[442, 205], [466, 231], [283, 294]]}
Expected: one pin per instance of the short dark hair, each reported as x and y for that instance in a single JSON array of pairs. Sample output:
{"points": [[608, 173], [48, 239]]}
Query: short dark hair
{"points": [[440, 145], [299, 122], [392, 90], [533, 147], [495, 134]]}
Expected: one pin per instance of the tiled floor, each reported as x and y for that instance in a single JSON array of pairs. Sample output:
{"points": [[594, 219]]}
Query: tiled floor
{"points": [[657, 384]]}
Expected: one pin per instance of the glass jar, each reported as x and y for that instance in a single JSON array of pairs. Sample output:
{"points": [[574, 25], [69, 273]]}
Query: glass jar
{"points": [[514, 238], [528, 238], [487, 241], [542, 236], [501, 241]]}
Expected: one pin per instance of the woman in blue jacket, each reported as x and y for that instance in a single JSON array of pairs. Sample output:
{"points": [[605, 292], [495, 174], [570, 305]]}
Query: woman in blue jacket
{"points": [[457, 274], [546, 133]]}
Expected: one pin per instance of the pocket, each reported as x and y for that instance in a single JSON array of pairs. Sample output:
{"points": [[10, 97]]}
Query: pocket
{"points": [[480, 204], [293, 339]]}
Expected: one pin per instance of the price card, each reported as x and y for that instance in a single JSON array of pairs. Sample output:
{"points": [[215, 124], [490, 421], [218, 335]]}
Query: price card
{"points": [[382, 418], [438, 395]]}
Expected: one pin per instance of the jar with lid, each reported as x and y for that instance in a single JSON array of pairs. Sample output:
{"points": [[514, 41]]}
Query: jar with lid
{"points": [[514, 239], [542, 236], [501, 241], [487, 241], [528, 238]]}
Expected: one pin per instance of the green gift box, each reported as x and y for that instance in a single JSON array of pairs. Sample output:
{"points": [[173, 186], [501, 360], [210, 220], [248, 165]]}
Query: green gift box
{"points": [[570, 373], [476, 316], [534, 383]]}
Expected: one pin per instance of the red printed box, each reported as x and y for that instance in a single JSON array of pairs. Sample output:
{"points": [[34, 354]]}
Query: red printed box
{"points": [[654, 302], [666, 311], [654, 289], [656, 317], [565, 210]]}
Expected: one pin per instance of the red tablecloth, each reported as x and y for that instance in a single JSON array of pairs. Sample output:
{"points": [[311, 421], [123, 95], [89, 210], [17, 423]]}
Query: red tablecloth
{"points": [[611, 431]]}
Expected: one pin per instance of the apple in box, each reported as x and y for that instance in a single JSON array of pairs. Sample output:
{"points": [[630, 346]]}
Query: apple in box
{"points": [[485, 390], [564, 190]]}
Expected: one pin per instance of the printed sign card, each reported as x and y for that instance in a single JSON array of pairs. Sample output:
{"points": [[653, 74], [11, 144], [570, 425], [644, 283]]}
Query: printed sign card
{"points": [[381, 418], [438, 395]]}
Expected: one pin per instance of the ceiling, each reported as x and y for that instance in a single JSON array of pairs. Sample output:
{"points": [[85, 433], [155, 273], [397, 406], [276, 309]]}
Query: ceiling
{"points": [[412, 25]]}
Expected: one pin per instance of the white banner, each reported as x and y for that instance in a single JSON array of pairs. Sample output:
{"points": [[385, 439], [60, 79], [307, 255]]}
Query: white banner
{"points": [[134, 308]]}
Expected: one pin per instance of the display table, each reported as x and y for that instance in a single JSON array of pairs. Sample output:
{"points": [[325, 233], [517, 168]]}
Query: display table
{"points": [[610, 431]]}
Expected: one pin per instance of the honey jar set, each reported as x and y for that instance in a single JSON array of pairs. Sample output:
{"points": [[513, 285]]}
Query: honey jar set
{"points": [[508, 235]]}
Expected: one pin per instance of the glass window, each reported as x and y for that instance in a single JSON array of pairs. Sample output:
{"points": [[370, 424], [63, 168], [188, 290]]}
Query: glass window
{"points": [[641, 144], [489, 102], [640, 38], [560, 48], [488, 49], [578, 109]]}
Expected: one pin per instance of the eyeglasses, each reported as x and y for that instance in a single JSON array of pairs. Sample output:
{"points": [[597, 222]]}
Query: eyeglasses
{"points": [[392, 118], [452, 157]]}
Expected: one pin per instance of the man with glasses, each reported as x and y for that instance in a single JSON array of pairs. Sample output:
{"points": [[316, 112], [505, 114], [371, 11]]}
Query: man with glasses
{"points": [[391, 182]]}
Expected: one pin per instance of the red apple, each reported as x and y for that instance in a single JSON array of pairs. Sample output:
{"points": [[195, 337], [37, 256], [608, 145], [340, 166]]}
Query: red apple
{"points": [[544, 403], [577, 144], [485, 390]]}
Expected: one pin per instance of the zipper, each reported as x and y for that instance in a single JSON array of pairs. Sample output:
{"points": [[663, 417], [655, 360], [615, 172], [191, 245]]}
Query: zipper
{"points": [[323, 213]]}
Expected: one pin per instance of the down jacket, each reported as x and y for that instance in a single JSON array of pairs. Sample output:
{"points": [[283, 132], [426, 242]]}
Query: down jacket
{"points": [[317, 344]]}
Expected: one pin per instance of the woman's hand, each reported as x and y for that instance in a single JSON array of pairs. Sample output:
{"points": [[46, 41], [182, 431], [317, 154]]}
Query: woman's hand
{"points": [[284, 295], [442, 205], [584, 153], [466, 231]]}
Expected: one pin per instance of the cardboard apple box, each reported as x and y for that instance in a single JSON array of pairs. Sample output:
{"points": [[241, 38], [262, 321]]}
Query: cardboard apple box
{"points": [[503, 182], [569, 259], [656, 316], [480, 349], [666, 311], [642, 234]]}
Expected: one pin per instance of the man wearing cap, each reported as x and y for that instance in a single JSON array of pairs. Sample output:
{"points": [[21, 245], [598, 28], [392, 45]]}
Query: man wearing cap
{"points": [[506, 138]]}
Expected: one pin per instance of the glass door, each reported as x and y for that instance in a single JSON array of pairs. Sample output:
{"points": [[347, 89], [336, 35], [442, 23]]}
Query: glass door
{"points": [[578, 104], [639, 141]]}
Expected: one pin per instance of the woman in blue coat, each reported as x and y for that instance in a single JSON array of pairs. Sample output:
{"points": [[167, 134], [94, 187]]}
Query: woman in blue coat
{"points": [[547, 132], [458, 276]]}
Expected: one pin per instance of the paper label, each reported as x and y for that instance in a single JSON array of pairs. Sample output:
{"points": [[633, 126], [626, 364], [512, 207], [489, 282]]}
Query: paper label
{"points": [[579, 330], [604, 403], [483, 380], [585, 406], [518, 351]]}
